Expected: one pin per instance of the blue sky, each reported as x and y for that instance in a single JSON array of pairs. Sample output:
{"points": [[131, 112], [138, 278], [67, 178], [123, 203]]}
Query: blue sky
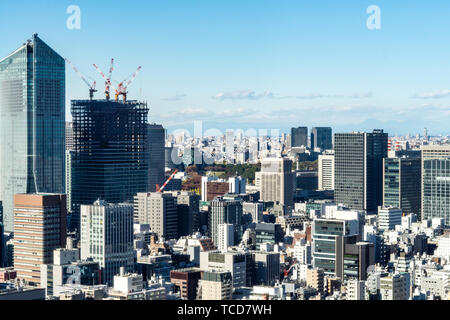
{"points": [[258, 63]]}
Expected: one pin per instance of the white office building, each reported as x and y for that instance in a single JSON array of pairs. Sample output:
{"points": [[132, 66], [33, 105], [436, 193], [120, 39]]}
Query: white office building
{"points": [[388, 218], [225, 237], [107, 237], [326, 172]]}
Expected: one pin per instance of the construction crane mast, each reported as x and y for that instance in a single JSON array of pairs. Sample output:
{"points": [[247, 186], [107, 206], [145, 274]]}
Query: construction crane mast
{"points": [[92, 86], [158, 189], [108, 83], [122, 89]]}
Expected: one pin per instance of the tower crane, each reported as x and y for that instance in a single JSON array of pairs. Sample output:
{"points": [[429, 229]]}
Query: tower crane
{"points": [[122, 88], [108, 83], [158, 189], [92, 86], [286, 272]]}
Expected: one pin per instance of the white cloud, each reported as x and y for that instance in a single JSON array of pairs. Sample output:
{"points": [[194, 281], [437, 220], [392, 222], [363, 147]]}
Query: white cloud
{"points": [[243, 95], [433, 95]]}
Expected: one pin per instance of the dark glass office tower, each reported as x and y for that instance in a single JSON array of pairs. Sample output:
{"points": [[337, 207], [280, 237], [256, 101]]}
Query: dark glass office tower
{"points": [[299, 137], [110, 156], [359, 169], [402, 184], [321, 138], [156, 140], [32, 123]]}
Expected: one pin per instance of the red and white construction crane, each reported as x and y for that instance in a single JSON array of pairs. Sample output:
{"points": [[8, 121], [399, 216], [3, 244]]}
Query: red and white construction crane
{"points": [[108, 83], [158, 189], [122, 89], [91, 86], [286, 272]]}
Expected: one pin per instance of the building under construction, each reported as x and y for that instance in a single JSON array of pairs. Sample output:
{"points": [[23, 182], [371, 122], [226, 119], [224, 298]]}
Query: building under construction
{"points": [[110, 158]]}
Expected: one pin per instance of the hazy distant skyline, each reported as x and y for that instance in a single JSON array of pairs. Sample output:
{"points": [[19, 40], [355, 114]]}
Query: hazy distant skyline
{"points": [[256, 63]]}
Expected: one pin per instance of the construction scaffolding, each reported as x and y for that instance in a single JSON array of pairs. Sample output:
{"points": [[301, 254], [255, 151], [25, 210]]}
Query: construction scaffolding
{"points": [[111, 156]]}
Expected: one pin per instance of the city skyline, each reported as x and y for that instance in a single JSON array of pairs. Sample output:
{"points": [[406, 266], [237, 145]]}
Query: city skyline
{"points": [[252, 65], [268, 151]]}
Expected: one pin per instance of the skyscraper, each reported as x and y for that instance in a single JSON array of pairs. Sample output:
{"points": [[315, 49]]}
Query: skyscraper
{"points": [[107, 237], [436, 182], [402, 184], [322, 138], [359, 169], [32, 123], [110, 158], [39, 228], [156, 141], [299, 137], [277, 181]]}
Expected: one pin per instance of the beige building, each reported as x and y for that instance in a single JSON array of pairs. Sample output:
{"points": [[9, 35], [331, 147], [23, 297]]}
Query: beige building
{"points": [[39, 228], [216, 285], [159, 210], [276, 181], [315, 279]]}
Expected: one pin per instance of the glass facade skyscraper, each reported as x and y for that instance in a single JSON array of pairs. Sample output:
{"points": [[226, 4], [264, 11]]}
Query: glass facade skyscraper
{"points": [[322, 137], [402, 184], [359, 169], [299, 137], [32, 123], [156, 140]]}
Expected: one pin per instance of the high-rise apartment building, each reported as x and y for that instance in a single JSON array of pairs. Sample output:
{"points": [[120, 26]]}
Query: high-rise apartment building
{"points": [[315, 279], [159, 210], [402, 184], [299, 137], [39, 228], [359, 169], [436, 182], [326, 172], [32, 123], [277, 181], [110, 159], [156, 141], [322, 137], [107, 237]]}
